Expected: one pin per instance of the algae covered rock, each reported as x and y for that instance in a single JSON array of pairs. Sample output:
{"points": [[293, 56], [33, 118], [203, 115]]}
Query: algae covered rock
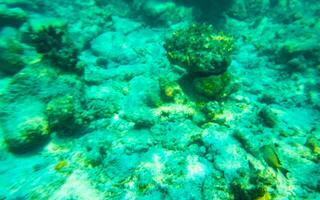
{"points": [[110, 46], [12, 16], [215, 86], [12, 59], [43, 82], [171, 91], [64, 115], [29, 134], [313, 143], [212, 110], [101, 101], [200, 50], [294, 48], [252, 185], [268, 117], [25, 125], [205, 55], [141, 117]]}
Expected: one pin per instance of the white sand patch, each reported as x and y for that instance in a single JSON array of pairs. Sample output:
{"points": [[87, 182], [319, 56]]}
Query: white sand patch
{"points": [[77, 186]]}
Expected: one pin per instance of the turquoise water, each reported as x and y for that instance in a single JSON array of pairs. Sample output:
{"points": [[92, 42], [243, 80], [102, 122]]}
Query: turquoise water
{"points": [[150, 99]]}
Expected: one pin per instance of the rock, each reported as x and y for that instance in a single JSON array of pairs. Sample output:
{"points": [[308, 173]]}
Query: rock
{"points": [[314, 145], [208, 10], [43, 82], [212, 110], [12, 16], [142, 117], [238, 10], [125, 25], [64, 115], [157, 13], [298, 64], [171, 91], [114, 47], [268, 117], [29, 135], [25, 125], [25, 4], [101, 101], [244, 189], [214, 87], [12, 59]]}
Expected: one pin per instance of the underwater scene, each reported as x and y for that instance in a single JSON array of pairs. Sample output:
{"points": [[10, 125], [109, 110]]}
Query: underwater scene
{"points": [[160, 99]]}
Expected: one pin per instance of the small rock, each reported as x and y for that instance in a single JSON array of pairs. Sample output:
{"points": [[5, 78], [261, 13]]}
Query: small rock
{"points": [[28, 135], [268, 117], [12, 16]]}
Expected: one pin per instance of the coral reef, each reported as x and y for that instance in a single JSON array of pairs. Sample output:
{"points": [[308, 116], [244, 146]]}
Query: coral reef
{"points": [[155, 111]]}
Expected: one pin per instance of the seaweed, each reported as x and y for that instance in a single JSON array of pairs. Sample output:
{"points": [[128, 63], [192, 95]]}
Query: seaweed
{"points": [[54, 43]]}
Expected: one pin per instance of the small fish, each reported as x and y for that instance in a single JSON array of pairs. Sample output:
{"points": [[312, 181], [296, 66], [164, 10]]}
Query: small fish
{"points": [[272, 159]]}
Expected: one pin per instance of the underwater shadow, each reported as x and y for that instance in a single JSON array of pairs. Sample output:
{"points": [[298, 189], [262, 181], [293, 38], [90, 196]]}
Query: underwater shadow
{"points": [[28, 151]]}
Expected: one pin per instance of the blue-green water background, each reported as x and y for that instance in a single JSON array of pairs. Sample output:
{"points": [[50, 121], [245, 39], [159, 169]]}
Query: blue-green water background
{"points": [[94, 109]]}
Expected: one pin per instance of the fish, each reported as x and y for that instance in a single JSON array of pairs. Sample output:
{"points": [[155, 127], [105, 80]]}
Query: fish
{"points": [[271, 158]]}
